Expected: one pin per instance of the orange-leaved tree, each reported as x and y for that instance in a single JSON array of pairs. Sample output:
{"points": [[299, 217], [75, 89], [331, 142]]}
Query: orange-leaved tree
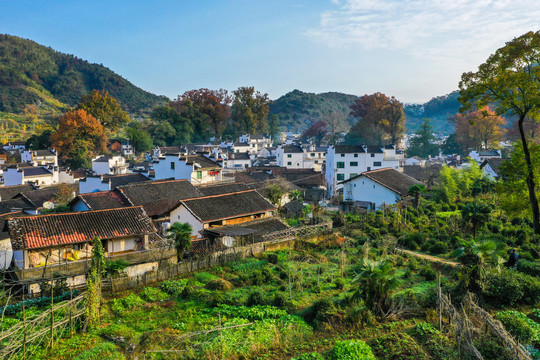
{"points": [[79, 137], [479, 129]]}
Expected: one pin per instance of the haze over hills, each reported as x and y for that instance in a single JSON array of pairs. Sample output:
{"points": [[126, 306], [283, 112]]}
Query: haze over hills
{"points": [[31, 73], [51, 81]]}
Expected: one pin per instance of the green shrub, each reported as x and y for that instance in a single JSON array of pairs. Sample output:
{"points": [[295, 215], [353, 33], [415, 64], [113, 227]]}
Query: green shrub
{"points": [[509, 288], [280, 300], [103, 351], [428, 273], [529, 267], [273, 258], [219, 284], [257, 312], [491, 349], [117, 330], [153, 294], [321, 311], [173, 287], [397, 346], [351, 350], [116, 267], [256, 297], [339, 283], [130, 301], [7, 323], [519, 325], [204, 277]]}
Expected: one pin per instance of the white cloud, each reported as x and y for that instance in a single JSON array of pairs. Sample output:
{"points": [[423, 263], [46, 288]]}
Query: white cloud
{"points": [[436, 30]]}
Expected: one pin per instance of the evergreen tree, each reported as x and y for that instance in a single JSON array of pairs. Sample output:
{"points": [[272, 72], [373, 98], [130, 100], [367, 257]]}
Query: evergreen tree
{"points": [[423, 142]]}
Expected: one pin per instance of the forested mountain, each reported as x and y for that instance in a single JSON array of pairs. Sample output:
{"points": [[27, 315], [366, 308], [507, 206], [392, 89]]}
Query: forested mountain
{"points": [[32, 74], [439, 109], [297, 110]]}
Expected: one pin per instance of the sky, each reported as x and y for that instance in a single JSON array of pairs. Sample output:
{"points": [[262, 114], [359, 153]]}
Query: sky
{"points": [[411, 49]]}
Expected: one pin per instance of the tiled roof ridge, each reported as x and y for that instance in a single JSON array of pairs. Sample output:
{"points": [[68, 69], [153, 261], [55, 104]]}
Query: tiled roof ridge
{"points": [[145, 183], [79, 212], [218, 195], [376, 170]]}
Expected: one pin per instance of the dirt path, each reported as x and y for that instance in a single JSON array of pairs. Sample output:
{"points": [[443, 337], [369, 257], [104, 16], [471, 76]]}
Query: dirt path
{"points": [[429, 257]]}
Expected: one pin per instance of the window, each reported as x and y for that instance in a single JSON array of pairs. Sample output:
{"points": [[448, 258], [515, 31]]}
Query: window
{"points": [[199, 175], [340, 165], [289, 155], [376, 163], [289, 163], [354, 163], [368, 168], [342, 155], [316, 161], [312, 154], [340, 177], [355, 155], [372, 155], [172, 165]]}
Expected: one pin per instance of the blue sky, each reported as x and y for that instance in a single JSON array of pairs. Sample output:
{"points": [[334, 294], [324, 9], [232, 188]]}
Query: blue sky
{"points": [[412, 49]]}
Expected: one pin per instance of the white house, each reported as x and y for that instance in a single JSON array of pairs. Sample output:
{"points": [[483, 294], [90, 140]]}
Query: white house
{"points": [[241, 147], [197, 169], [482, 155], [15, 145], [314, 157], [127, 149], [38, 175], [378, 187], [108, 182], [238, 161], [224, 209], [115, 165], [290, 156], [40, 157], [415, 160], [255, 142], [490, 168]]}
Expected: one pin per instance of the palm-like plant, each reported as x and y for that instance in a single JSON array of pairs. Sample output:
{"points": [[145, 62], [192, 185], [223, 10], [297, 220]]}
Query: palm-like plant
{"points": [[476, 213], [376, 280], [476, 256], [180, 234]]}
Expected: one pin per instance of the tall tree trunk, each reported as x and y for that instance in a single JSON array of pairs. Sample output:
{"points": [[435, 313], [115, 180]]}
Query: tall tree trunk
{"points": [[530, 178]]}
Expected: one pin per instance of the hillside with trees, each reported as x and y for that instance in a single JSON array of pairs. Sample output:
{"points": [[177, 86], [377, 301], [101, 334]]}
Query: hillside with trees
{"points": [[297, 110], [32, 74], [440, 110]]}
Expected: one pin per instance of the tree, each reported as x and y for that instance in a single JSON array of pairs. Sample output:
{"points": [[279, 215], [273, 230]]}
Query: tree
{"points": [[274, 193], [170, 127], [249, 110], [381, 120], [39, 142], [423, 142], [273, 127], [451, 146], [93, 285], [479, 129], [509, 80], [295, 195], [180, 234], [335, 123], [512, 190], [375, 282], [140, 139], [530, 127], [79, 137], [210, 109], [476, 213], [105, 108], [416, 191], [317, 131]]}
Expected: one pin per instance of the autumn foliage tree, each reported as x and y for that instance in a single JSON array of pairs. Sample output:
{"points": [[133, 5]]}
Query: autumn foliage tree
{"points": [[79, 137], [249, 110], [105, 108], [317, 131], [381, 120], [207, 109], [479, 129]]}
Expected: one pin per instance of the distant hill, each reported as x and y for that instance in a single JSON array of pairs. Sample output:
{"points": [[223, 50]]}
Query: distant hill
{"points": [[297, 110], [32, 74], [439, 109]]}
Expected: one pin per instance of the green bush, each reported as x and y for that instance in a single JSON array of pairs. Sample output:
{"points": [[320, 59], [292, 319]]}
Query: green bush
{"points": [[257, 312], [339, 283], [321, 311], [219, 284], [153, 294], [273, 258], [173, 287], [428, 273], [103, 351], [130, 301], [351, 350], [256, 297], [397, 346], [116, 267], [529, 267], [491, 349], [509, 288], [519, 325], [204, 277]]}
